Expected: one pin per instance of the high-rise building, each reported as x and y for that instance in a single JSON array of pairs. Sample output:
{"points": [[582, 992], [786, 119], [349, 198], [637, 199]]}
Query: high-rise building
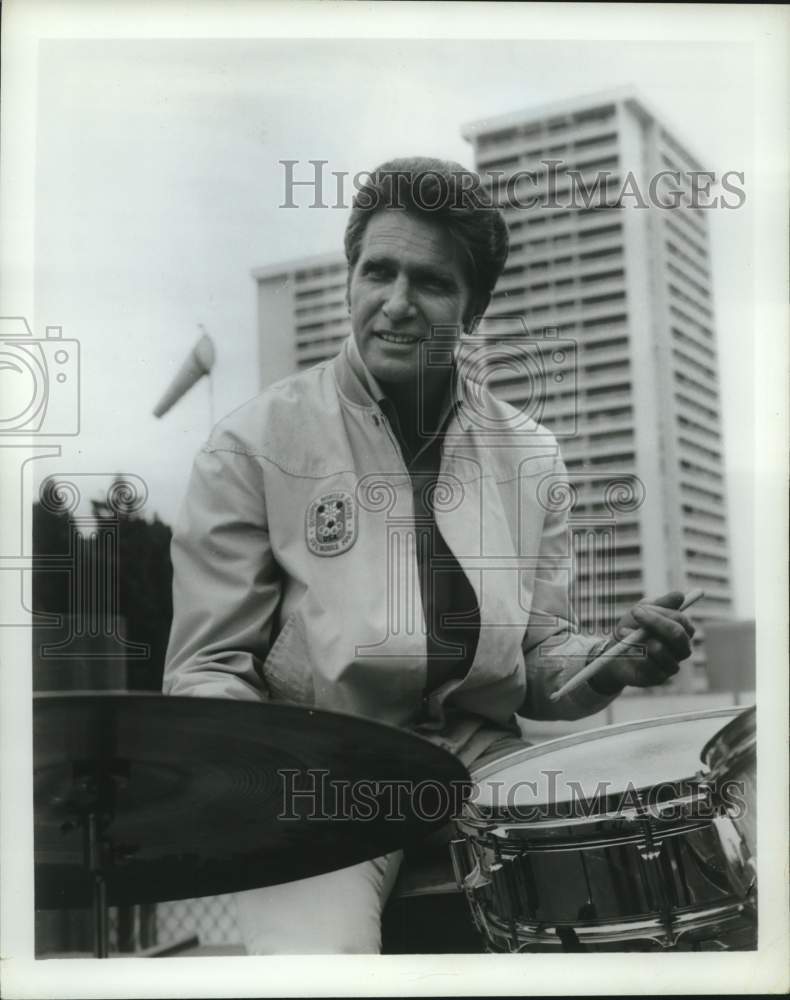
{"points": [[302, 314], [617, 289], [629, 281]]}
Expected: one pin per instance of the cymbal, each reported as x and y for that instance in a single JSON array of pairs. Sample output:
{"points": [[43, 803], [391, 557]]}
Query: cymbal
{"points": [[207, 795]]}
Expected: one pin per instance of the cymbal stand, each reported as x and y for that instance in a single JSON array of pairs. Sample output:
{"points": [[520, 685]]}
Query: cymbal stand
{"points": [[92, 803]]}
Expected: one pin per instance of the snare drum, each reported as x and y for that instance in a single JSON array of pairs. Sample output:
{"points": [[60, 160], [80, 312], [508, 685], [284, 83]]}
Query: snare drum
{"points": [[602, 839], [731, 758]]}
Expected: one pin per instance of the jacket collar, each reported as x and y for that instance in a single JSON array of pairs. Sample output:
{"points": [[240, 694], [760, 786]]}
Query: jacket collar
{"points": [[358, 384]]}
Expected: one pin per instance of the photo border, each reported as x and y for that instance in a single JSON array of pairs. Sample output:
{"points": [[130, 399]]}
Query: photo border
{"points": [[25, 24]]}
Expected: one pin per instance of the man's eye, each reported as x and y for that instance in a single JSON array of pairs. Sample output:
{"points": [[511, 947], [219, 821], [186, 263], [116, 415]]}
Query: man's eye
{"points": [[436, 284], [375, 270]]}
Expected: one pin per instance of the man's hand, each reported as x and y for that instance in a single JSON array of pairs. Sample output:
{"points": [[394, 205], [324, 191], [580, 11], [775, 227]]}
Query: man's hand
{"points": [[669, 641]]}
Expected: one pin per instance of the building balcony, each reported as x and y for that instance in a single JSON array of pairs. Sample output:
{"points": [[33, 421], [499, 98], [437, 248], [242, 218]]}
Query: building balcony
{"points": [[706, 435], [704, 416], [701, 521], [696, 451], [701, 536], [590, 405], [329, 331], [619, 564], [521, 254], [717, 590], [679, 256], [690, 225], [679, 298], [305, 313], [557, 299], [701, 373], [547, 316], [326, 284], [703, 509], [681, 235], [319, 352], [592, 453], [590, 429], [691, 286], [709, 470], [709, 560], [558, 272], [538, 144], [332, 314], [514, 158], [691, 340]]}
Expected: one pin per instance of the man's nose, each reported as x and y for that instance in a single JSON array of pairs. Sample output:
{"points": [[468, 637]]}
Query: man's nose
{"points": [[398, 305]]}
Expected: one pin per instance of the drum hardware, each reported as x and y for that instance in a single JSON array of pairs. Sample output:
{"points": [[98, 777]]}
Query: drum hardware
{"points": [[91, 804], [738, 858], [142, 797], [653, 871], [471, 881], [457, 858], [588, 909]]}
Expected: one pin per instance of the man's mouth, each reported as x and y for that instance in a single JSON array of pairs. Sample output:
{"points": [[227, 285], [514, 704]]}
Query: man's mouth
{"points": [[397, 338]]}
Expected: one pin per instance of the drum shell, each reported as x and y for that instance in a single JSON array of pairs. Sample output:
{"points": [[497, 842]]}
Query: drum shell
{"points": [[731, 759], [612, 881], [649, 874]]}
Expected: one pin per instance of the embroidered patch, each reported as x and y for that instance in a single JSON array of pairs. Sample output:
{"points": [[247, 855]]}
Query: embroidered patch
{"points": [[331, 524]]}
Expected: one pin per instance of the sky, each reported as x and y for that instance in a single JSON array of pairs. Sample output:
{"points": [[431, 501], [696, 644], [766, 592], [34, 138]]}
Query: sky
{"points": [[158, 190]]}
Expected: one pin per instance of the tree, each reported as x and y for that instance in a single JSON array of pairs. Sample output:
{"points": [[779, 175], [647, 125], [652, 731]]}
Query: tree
{"points": [[145, 578], [124, 548]]}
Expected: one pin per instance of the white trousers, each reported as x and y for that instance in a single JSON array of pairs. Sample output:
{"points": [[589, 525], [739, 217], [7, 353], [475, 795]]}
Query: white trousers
{"points": [[333, 914]]}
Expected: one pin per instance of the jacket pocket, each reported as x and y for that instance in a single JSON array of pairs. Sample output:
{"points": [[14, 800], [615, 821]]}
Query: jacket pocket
{"points": [[286, 669]]}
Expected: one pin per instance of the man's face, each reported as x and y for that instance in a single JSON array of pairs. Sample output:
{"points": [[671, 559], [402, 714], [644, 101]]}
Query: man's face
{"points": [[407, 280]]}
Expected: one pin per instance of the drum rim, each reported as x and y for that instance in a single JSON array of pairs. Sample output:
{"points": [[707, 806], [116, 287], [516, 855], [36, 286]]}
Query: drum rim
{"points": [[573, 739], [732, 742]]}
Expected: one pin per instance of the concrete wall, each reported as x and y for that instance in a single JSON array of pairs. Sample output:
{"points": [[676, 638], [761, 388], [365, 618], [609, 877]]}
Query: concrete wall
{"points": [[276, 334]]}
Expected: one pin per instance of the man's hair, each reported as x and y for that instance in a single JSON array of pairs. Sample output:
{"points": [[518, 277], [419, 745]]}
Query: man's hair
{"points": [[444, 192]]}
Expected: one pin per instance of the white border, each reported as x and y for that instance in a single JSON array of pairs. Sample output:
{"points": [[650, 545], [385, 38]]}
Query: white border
{"points": [[766, 27]]}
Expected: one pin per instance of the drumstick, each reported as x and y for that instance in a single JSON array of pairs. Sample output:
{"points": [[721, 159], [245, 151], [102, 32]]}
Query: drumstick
{"points": [[632, 639]]}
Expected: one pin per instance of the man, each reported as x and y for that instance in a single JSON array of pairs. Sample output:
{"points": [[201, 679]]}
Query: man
{"points": [[330, 518]]}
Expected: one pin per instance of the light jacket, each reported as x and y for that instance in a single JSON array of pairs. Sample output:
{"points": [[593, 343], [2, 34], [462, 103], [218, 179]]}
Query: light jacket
{"points": [[295, 569]]}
